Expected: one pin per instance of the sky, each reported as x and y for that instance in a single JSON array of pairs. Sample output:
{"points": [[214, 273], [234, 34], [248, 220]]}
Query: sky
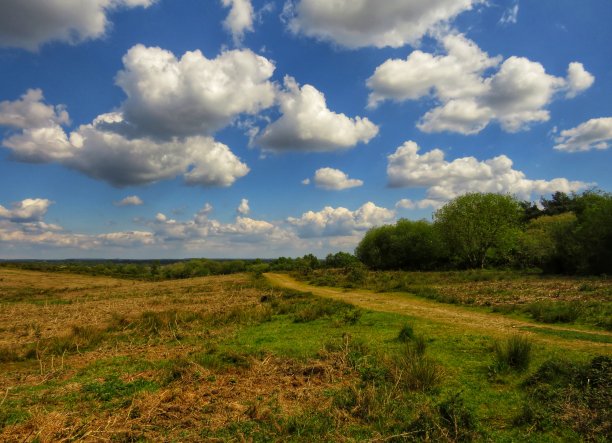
{"points": [[267, 128]]}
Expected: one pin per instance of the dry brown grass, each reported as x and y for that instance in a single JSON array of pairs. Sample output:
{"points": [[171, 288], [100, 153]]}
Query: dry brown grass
{"points": [[164, 324]]}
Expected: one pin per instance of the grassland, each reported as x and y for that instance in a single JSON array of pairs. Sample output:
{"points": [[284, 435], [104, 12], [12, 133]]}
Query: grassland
{"points": [[246, 358]]}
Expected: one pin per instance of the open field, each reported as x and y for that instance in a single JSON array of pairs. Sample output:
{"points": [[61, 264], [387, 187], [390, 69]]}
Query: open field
{"points": [[236, 358]]}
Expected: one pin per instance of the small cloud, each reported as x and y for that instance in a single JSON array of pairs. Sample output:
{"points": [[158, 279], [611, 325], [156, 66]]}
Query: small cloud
{"points": [[243, 208], [592, 134], [306, 181], [510, 16], [334, 179], [131, 200]]}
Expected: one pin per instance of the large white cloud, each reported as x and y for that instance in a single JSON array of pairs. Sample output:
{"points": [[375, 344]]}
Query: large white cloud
{"points": [[192, 95], [30, 23], [240, 18], [446, 180], [468, 97], [100, 153], [28, 210], [334, 179], [340, 221], [592, 134], [163, 128], [307, 123], [358, 23]]}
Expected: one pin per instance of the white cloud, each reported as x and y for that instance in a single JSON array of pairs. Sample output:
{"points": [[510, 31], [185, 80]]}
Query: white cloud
{"points": [[578, 79], [406, 203], [468, 97], [334, 179], [359, 23], [28, 210], [306, 181], [307, 124], [592, 134], [239, 19], [446, 180], [24, 224], [191, 95], [243, 208], [30, 112], [130, 200], [29, 24], [99, 152], [340, 221]]}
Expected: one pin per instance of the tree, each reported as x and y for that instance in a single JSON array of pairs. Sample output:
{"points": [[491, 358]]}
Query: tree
{"points": [[406, 245], [549, 243], [473, 224]]}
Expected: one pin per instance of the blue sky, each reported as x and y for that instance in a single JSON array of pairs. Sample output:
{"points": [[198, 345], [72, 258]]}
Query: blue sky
{"points": [[257, 128]]}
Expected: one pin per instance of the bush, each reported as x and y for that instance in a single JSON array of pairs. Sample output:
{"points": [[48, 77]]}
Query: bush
{"points": [[514, 354]]}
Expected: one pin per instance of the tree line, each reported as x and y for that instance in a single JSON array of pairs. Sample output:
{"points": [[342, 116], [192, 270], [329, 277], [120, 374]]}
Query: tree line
{"points": [[568, 234]]}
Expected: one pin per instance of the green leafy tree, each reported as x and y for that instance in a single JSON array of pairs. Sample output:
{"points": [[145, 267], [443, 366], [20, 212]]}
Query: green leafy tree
{"points": [[406, 245], [474, 224]]}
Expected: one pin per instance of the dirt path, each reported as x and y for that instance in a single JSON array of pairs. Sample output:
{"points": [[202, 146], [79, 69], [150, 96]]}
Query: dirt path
{"points": [[452, 317]]}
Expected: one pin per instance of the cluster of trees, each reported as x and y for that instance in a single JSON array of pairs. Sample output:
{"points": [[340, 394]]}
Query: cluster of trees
{"points": [[178, 269], [564, 234]]}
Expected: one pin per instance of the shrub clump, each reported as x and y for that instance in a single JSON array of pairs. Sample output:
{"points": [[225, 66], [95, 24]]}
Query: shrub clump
{"points": [[514, 354]]}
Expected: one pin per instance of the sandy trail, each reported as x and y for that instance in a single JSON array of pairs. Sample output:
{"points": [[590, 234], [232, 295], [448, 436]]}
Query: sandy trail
{"points": [[451, 316]]}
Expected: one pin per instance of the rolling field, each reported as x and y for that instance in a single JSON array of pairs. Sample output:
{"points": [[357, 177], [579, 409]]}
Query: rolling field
{"points": [[247, 358]]}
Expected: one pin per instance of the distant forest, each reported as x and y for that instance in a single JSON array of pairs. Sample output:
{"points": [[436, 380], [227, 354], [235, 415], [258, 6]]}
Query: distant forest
{"points": [[564, 234]]}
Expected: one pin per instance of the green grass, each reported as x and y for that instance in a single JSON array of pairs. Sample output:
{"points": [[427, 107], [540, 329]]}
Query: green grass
{"points": [[572, 335]]}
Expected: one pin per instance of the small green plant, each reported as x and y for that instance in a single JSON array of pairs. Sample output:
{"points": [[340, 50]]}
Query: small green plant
{"points": [[419, 344], [514, 354], [406, 333]]}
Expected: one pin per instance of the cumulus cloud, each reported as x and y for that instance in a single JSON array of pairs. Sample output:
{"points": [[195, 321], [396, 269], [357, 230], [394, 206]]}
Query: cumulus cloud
{"points": [[28, 24], [516, 95], [446, 180], [307, 124], [356, 24], [240, 18], [334, 179], [168, 96], [202, 230], [243, 208], [578, 79], [24, 223], [406, 203], [592, 134], [340, 221], [121, 161], [28, 210], [130, 200], [30, 112]]}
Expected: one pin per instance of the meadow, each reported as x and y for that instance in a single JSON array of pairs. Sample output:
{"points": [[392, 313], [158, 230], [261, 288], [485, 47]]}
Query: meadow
{"points": [[334, 356]]}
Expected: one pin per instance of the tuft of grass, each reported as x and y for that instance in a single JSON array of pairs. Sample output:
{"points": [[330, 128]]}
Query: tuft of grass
{"points": [[514, 353], [415, 371], [406, 333]]}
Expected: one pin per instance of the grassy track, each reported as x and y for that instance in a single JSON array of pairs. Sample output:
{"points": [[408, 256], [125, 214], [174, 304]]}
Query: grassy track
{"points": [[455, 317]]}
